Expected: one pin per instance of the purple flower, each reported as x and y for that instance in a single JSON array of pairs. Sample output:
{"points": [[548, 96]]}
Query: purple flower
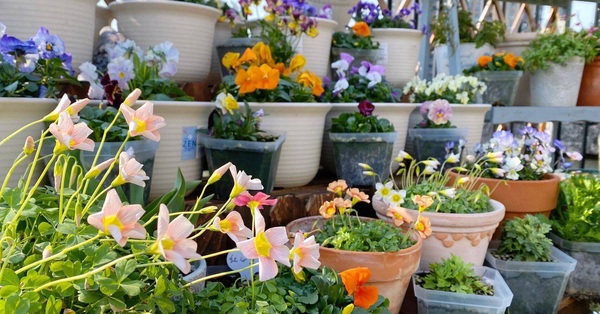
{"points": [[67, 62], [21, 54], [440, 112], [558, 144], [49, 46], [416, 8], [405, 12], [449, 147], [114, 95], [121, 70], [425, 108], [366, 108], [346, 57]]}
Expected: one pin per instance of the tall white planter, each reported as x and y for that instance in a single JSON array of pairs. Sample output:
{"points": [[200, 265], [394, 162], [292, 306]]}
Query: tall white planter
{"points": [[179, 145], [470, 117], [222, 35], [72, 20], [14, 114], [316, 49], [303, 124], [189, 26], [397, 113], [468, 56], [400, 53], [557, 86]]}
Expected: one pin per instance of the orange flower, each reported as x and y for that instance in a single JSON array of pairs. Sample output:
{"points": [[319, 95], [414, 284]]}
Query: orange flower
{"points": [[357, 195], [310, 80], [244, 81], [423, 201], [264, 54], [264, 77], [231, 60], [484, 60], [399, 215], [361, 29], [297, 63], [511, 60], [354, 280], [248, 57], [342, 205], [423, 225], [327, 210], [337, 187]]}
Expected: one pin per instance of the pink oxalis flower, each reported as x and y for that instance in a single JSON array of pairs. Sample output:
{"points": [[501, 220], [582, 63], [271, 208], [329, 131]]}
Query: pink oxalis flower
{"points": [[305, 253], [143, 122], [130, 171], [70, 136], [233, 226], [254, 201]]}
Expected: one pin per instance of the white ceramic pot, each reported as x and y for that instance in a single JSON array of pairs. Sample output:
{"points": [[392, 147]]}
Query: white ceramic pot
{"points": [[400, 53], [179, 144], [316, 49], [465, 235], [557, 86], [397, 113], [339, 9], [303, 124], [222, 35], [189, 26], [14, 114], [72, 20], [468, 56], [469, 117]]}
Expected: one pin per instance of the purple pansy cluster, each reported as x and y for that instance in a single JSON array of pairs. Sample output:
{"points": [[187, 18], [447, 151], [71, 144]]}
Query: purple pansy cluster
{"points": [[372, 14], [368, 72]]}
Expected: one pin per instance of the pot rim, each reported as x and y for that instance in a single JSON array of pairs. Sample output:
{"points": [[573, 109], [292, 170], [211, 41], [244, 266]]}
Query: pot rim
{"points": [[548, 178], [163, 4]]}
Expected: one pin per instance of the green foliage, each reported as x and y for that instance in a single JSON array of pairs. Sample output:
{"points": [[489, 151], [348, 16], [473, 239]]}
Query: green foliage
{"points": [[362, 235], [454, 275], [242, 125], [355, 122], [490, 32], [99, 120], [464, 202], [152, 85], [321, 292], [353, 41], [577, 216], [282, 46], [557, 48], [524, 239]]}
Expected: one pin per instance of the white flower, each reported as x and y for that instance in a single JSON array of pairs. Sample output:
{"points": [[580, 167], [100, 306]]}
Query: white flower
{"points": [[2, 29], [383, 191], [512, 166], [463, 98], [125, 49], [340, 67], [574, 156], [89, 72], [396, 198], [121, 70], [340, 85], [374, 79]]}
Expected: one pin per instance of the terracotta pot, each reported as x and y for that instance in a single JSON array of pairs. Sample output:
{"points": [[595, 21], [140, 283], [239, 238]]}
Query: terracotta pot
{"points": [[521, 197], [465, 235], [589, 92], [392, 272]]}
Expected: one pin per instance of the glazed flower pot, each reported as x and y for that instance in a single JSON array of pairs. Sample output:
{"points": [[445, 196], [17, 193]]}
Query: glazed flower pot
{"points": [[303, 126], [391, 271], [501, 86], [549, 88], [399, 53], [465, 235], [15, 113], [350, 149], [396, 113], [432, 142], [520, 197], [258, 159], [443, 302], [584, 282], [316, 49], [538, 287], [23, 18], [189, 26], [589, 92], [468, 56]]}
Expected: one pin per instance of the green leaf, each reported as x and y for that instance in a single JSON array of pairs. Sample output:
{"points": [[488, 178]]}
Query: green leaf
{"points": [[53, 306], [124, 268], [161, 286], [108, 286], [10, 278], [132, 287], [165, 304], [5, 291], [17, 305]]}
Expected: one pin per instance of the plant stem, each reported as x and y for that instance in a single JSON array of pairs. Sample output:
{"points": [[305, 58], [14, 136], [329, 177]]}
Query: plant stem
{"points": [[224, 274], [6, 139]]}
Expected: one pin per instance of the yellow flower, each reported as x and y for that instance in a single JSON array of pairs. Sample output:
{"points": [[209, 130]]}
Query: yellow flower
{"points": [[264, 54], [248, 57], [264, 77], [312, 32], [231, 60], [310, 80], [297, 63]]}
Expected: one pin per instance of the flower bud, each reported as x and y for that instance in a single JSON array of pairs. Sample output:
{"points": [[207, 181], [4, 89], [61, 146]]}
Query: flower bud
{"points": [[132, 97], [217, 174], [96, 170], [365, 166], [29, 146], [208, 210], [47, 252]]}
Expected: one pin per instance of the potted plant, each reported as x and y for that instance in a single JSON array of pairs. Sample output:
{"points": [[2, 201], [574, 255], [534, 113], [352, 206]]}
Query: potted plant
{"points": [[535, 271], [501, 73], [461, 92], [453, 286], [463, 219], [357, 42], [361, 137], [474, 41], [127, 67], [508, 163], [275, 81], [236, 136], [588, 95], [348, 241], [368, 83], [398, 37], [430, 136], [553, 60], [31, 72], [574, 230]]}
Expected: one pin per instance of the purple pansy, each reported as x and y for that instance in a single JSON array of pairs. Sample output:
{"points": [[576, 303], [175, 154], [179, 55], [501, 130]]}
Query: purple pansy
{"points": [[49, 46], [21, 54], [366, 108]]}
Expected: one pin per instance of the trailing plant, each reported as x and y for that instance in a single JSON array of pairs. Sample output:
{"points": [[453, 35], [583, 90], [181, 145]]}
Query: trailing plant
{"points": [[577, 216], [557, 48], [452, 274], [361, 122], [524, 240], [490, 32]]}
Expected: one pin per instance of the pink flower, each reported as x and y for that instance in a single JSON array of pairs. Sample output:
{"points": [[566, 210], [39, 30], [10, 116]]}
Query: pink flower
{"points": [[130, 171], [217, 174], [254, 202], [70, 136], [399, 215], [97, 169], [65, 105], [440, 112], [121, 222], [242, 182], [337, 187], [233, 226], [143, 122], [267, 246], [172, 240], [305, 253]]}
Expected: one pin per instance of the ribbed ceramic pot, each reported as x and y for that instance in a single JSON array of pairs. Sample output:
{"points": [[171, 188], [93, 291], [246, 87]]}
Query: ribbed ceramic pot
{"points": [[303, 124], [316, 49], [14, 114], [72, 20], [558, 85], [189, 26], [397, 113], [400, 53]]}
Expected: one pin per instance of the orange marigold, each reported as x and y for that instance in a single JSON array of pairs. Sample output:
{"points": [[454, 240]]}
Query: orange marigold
{"points": [[361, 29], [484, 60]]}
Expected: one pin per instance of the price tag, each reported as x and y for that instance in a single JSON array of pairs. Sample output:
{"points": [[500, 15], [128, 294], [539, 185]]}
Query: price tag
{"points": [[237, 260], [189, 143]]}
